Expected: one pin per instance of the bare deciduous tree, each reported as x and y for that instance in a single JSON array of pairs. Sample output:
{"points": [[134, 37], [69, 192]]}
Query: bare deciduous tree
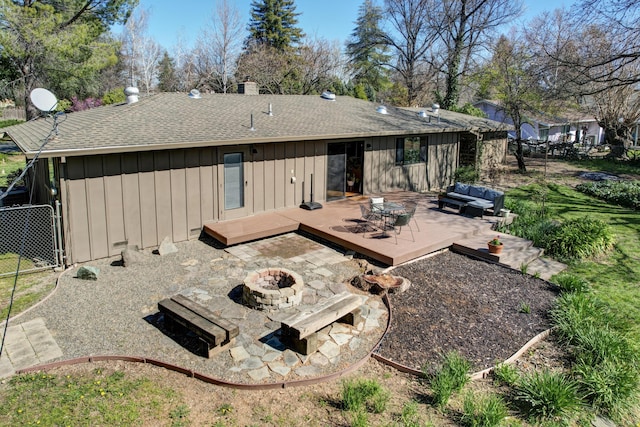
{"points": [[218, 47], [141, 53], [462, 30]]}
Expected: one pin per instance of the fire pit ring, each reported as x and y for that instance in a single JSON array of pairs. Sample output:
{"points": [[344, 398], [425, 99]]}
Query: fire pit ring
{"points": [[272, 289]]}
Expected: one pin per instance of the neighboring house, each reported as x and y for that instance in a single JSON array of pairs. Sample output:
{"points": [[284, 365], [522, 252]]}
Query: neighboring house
{"points": [[132, 174], [569, 127]]}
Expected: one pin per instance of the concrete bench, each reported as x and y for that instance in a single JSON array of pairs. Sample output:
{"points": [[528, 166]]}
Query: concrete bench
{"points": [[213, 332], [301, 330]]}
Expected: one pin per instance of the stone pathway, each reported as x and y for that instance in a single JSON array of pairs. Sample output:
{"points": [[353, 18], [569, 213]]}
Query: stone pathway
{"points": [[26, 345]]}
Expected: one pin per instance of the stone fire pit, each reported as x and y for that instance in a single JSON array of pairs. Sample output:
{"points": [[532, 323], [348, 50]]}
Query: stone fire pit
{"points": [[272, 289]]}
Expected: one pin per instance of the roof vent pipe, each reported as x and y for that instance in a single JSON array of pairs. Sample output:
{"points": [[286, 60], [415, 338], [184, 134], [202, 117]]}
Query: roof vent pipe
{"points": [[382, 109], [270, 110], [132, 94], [435, 108]]}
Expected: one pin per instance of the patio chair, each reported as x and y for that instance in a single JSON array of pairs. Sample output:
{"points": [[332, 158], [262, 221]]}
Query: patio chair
{"points": [[402, 220], [377, 204], [411, 210], [367, 218]]}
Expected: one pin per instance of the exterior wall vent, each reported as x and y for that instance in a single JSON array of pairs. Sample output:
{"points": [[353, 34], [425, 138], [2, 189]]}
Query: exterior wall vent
{"points": [[382, 109], [328, 95], [132, 94], [248, 88]]}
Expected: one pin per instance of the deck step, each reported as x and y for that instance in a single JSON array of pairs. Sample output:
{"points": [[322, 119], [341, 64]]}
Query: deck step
{"points": [[517, 252], [545, 267]]}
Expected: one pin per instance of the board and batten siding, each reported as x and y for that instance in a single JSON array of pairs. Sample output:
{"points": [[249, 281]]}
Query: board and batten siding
{"points": [[381, 174], [111, 201]]}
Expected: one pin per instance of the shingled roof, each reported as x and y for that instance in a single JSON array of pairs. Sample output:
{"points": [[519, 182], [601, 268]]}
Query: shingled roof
{"points": [[174, 120]]}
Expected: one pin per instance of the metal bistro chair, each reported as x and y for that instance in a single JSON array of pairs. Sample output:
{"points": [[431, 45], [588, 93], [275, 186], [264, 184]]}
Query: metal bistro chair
{"points": [[402, 220], [411, 210], [377, 205], [368, 217]]}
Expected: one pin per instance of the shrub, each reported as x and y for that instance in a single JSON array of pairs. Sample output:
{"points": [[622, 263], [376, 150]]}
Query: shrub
{"points": [[467, 174], [358, 395], [623, 193], [409, 415], [568, 282], [578, 239], [483, 411], [547, 394], [114, 96], [608, 386], [450, 378], [506, 374]]}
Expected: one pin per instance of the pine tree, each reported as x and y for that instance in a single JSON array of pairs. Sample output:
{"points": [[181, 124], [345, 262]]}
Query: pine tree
{"points": [[167, 79], [367, 52], [273, 23]]}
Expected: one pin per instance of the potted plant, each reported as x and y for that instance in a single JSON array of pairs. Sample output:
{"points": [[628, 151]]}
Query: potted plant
{"points": [[495, 245]]}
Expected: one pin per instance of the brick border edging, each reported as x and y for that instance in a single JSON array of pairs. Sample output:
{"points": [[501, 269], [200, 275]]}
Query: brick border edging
{"points": [[217, 381]]}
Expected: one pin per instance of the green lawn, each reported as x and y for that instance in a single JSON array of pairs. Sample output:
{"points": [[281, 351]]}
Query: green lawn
{"points": [[614, 277], [9, 163]]}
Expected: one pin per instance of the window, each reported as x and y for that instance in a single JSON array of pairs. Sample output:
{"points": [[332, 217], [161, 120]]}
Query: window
{"points": [[543, 134], [410, 150]]}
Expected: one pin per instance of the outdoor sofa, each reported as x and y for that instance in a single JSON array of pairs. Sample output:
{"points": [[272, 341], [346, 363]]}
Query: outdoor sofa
{"points": [[476, 199]]}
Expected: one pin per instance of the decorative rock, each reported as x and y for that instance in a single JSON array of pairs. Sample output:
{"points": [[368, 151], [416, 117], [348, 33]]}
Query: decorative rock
{"points": [[279, 368], [271, 356], [324, 272], [131, 256], [239, 353], [355, 344], [88, 273], [341, 339], [251, 363], [308, 371], [317, 284], [167, 247], [329, 349], [319, 359], [290, 358], [259, 374], [338, 288], [255, 350]]}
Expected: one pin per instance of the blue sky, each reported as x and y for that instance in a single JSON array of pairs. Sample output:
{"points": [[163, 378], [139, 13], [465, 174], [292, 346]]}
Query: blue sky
{"points": [[329, 19]]}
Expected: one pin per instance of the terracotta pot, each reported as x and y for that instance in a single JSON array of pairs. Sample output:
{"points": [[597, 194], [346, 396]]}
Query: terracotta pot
{"points": [[495, 249]]}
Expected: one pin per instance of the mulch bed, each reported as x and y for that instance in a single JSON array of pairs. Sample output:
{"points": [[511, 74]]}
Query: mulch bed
{"points": [[457, 303]]}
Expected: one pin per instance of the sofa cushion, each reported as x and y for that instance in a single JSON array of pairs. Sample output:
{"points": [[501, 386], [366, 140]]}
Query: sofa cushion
{"points": [[481, 203], [461, 188], [491, 194], [461, 197], [477, 191]]}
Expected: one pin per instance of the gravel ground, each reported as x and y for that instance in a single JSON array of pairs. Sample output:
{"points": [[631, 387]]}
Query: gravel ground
{"points": [[117, 314]]}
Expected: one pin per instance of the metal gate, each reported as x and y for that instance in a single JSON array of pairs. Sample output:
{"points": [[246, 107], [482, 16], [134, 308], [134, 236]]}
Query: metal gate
{"points": [[33, 232]]}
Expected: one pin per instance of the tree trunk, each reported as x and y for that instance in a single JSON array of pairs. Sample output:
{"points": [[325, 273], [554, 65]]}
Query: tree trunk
{"points": [[619, 140], [519, 154]]}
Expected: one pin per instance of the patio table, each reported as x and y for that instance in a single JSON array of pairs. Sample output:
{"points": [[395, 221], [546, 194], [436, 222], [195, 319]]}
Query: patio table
{"points": [[389, 211]]}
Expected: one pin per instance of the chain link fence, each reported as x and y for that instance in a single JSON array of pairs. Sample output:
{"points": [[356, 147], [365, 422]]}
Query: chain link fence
{"points": [[30, 231]]}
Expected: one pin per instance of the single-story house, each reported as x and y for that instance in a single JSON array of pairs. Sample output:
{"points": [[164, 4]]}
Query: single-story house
{"points": [[134, 173], [570, 126]]}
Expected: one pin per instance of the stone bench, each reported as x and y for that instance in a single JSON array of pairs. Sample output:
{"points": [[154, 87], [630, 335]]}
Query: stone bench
{"points": [[301, 330], [213, 332]]}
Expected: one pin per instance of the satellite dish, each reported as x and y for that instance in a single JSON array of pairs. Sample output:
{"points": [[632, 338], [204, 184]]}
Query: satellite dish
{"points": [[195, 94], [43, 100]]}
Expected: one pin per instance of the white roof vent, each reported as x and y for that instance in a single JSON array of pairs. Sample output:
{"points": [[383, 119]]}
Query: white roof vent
{"points": [[422, 113], [194, 94], [435, 108], [132, 94], [382, 109], [328, 95]]}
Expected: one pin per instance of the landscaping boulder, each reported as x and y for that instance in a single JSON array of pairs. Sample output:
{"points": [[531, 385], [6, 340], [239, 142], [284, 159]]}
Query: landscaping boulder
{"points": [[167, 247], [131, 256], [88, 273]]}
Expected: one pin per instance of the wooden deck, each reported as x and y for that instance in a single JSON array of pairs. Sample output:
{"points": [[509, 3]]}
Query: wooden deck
{"points": [[339, 222]]}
